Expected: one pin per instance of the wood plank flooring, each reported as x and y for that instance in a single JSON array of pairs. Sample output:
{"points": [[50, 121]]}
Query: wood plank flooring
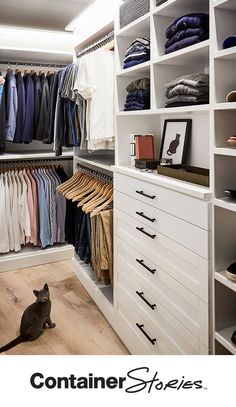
{"points": [[81, 329]]}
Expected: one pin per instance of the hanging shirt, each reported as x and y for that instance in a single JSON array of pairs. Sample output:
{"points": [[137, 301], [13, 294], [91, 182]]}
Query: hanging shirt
{"points": [[4, 238], [2, 116], [9, 217], [20, 118], [34, 239], [95, 83], [28, 132], [11, 106], [14, 212], [45, 230]]}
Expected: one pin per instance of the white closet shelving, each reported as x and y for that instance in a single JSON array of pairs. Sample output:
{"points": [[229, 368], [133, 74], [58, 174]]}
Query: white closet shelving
{"points": [[223, 125], [46, 48]]}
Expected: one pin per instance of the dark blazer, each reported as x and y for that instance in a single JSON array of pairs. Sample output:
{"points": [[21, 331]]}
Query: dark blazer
{"points": [[42, 123], [37, 100], [28, 132], [20, 118]]}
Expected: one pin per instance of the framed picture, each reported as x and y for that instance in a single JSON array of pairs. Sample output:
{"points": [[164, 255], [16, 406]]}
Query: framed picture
{"points": [[176, 135]]}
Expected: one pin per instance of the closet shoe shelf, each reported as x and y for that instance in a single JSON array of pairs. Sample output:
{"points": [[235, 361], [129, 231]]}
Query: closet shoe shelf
{"points": [[224, 337], [226, 54], [30, 257], [221, 277], [226, 203], [231, 152]]}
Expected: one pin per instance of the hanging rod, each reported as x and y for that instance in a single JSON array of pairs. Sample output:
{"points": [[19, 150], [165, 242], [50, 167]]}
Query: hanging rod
{"points": [[32, 64], [94, 173], [96, 45]]}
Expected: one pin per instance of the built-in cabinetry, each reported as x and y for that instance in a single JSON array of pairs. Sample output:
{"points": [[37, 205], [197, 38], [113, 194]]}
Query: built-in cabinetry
{"points": [[163, 227]]}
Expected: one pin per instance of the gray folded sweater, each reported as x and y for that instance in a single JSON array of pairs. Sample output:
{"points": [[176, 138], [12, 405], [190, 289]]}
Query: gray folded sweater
{"points": [[193, 80]]}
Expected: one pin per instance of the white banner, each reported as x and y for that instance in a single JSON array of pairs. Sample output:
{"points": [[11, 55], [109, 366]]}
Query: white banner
{"points": [[114, 380]]}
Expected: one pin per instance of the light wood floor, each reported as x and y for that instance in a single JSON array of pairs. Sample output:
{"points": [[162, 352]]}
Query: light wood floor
{"points": [[81, 328]]}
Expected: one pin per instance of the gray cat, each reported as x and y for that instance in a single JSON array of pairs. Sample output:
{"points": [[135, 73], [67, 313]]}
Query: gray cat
{"points": [[34, 319]]}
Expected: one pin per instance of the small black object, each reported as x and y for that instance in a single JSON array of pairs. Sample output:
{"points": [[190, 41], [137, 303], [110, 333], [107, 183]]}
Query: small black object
{"points": [[147, 164], [153, 341], [233, 338], [146, 196], [232, 268], [141, 262], [146, 233], [230, 192], [145, 217], [141, 295]]}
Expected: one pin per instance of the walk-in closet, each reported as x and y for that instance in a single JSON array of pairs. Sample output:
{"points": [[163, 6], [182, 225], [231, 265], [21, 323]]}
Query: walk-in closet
{"points": [[117, 155]]}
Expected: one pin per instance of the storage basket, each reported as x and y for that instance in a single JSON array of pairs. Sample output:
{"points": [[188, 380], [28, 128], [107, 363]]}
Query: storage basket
{"points": [[187, 173], [131, 10]]}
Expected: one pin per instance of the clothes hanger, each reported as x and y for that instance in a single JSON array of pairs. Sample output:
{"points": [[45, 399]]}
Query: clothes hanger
{"points": [[74, 192], [66, 184], [94, 203], [93, 195], [75, 185], [102, 207], [87, 189]]}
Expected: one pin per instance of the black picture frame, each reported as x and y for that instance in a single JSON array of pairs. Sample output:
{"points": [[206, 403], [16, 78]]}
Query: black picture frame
{"points": [[168, 143]]}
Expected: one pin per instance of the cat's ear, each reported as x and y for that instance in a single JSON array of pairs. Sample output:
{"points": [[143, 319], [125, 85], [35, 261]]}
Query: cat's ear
{"points": [[36, 293], [46, 287]]}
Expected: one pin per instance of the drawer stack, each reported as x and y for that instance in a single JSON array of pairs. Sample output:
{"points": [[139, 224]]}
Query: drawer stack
{"points": [[162, 268]]}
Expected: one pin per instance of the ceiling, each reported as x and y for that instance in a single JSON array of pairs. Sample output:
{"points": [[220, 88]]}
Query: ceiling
{"points": [[45, 14]]}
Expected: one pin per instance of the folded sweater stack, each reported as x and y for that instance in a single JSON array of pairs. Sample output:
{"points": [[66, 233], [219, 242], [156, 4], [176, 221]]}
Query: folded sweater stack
{"points": [[137, 53], [187, 30], [138, 97], [188, 90], [131, 10]]}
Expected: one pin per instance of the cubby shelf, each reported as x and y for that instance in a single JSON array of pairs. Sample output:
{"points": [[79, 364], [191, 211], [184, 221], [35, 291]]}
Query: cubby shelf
{"points": [[186, 56], [224, 337], [167, 111], [176, 8], [225, 4], [221, 277], [225, 106], [226, 203], [136, 28], [229, 54], [141, 69], [231, 152]]}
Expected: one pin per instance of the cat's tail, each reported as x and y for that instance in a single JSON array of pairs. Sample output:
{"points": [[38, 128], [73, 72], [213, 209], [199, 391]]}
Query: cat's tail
{"points": [[12, 344]]}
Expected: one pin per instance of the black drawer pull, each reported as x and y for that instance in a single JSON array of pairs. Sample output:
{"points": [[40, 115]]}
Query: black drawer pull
{"points": [[146, 233], [147, 196], [141, 295], [153, 341], [141, 262], [145, 216]]}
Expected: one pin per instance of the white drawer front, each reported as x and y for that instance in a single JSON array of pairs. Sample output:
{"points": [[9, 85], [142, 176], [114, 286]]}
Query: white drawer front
{"points": [[186, 307], [189, 269], [184, 233], [182, 206], [137, 342], [159, 324]]}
